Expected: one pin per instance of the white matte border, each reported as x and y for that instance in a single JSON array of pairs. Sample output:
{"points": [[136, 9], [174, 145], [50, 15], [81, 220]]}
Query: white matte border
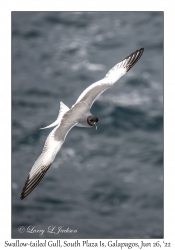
{"points": [[169, 97]]}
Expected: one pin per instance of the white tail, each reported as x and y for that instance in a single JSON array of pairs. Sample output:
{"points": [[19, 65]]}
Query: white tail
{"points": [[62, 111]]}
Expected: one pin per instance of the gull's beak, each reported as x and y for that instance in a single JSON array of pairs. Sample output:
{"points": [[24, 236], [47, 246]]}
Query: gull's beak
{"points": [[95, 125]]}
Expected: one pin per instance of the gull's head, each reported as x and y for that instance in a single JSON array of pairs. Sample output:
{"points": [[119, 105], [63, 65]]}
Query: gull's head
{"points": [[92, 120]]}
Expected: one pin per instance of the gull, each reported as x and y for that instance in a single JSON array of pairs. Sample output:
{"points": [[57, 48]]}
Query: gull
{"points": [[78, 115]]}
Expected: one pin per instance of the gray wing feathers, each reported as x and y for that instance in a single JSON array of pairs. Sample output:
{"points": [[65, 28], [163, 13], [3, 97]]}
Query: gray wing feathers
{"points": [[42, 164], [52, 145], [93, 91]]}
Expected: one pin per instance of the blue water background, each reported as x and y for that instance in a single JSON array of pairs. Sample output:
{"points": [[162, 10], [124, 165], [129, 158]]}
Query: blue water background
{"points": [[106, 183]]}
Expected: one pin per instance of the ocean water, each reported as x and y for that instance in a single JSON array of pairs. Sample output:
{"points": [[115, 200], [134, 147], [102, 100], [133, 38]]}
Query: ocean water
{"points": [[106, 183]]}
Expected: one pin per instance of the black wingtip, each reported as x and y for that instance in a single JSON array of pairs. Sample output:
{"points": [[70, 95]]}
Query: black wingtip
{"points": [[133, 58], [30, 184], [141, 49], [23, 190], [22, 196]]}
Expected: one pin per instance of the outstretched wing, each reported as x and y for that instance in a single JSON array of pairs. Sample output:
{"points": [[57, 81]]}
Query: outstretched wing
{"points": [[52, 145], [90, 94]]}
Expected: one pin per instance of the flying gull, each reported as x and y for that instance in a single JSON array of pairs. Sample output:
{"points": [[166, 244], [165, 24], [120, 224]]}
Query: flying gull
{"points": [[78, 115]]}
